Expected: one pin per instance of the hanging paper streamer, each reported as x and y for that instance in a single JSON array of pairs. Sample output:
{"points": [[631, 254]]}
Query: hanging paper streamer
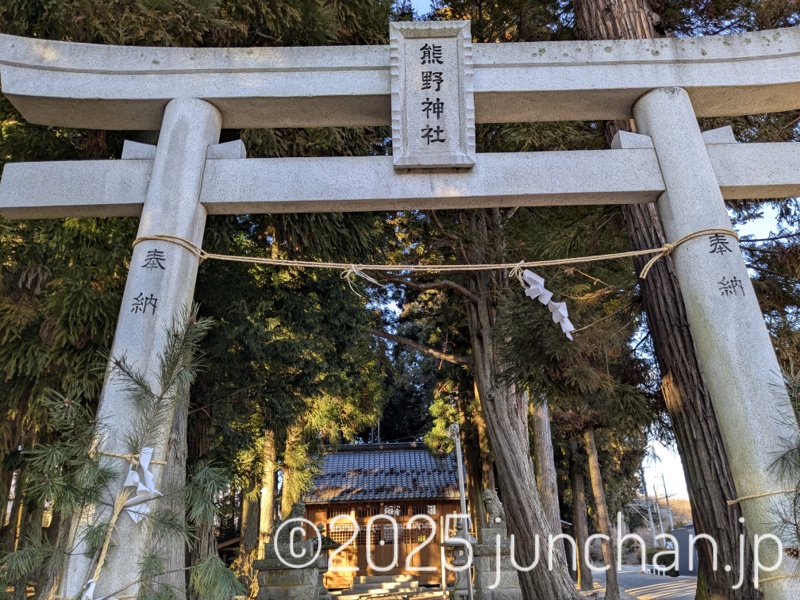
{"points": [[537, 291], [89, 593], [145, 486]]}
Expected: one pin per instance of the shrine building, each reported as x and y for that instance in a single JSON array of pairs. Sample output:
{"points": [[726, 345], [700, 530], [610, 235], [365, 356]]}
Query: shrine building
{"points": [[402, 481]]}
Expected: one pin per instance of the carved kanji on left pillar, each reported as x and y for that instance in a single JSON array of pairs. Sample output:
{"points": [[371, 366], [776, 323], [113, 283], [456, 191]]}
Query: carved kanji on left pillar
{"points": [[160, 285]]}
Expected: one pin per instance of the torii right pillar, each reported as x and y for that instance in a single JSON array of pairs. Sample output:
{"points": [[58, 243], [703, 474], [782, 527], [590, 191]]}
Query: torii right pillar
{"points": [[733, 346]]}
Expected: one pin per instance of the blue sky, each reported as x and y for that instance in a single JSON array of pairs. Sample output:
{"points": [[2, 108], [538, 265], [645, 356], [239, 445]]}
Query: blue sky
{"points": [[421, 7]]}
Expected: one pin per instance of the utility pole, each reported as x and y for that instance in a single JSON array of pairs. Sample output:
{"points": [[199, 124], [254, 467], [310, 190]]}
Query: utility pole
{"points": [[454, 433], [658, 510], [669, 508], [649, 509]]}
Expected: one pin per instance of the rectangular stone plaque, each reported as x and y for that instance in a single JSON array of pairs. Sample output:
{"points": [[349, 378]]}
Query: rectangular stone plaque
{"points": [[433, 112]]}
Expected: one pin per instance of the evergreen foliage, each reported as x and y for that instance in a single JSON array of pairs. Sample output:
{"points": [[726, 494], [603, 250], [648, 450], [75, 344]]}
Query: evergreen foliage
{"points": [[63, 473], [69, 474], [787, 465], [212, 579]]}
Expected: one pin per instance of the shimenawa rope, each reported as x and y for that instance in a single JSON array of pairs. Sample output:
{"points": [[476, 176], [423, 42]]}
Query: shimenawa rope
{"points": [[349, 270], [761, 495]]}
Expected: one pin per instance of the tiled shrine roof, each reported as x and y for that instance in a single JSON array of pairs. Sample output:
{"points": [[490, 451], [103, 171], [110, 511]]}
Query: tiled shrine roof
{"points": [[367, 472]]}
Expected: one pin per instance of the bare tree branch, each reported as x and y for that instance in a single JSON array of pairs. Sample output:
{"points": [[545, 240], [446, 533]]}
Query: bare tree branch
{"points": [[441, 284], [770, 239], [770, 272], [507, 217], [421, 348], [442, 229]]}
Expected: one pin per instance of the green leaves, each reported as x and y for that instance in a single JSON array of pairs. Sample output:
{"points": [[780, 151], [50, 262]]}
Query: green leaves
{"points": [[213, 580], [291, 343], [308, 22], [151, 566], [95, 536], [62, 471], [128, 22], [25, 561], [65, 471], [178, 366], [206, 483]]}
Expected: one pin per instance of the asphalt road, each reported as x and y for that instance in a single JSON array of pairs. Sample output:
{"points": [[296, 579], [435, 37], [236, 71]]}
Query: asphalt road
{"points": [[653, 587]]}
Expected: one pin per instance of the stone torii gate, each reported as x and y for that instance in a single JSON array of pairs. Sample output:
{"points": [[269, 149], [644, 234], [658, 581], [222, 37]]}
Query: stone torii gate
{"points": [[431, 84]]}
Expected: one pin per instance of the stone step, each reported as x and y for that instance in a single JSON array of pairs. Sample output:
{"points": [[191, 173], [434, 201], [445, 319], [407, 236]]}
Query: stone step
{"points": [[379, 591], [384, 585], [382, 578], [396, 595]]}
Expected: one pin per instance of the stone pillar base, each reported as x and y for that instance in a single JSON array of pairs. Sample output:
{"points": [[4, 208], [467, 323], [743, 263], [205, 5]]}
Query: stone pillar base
{"points": [[486, 566], [278, 582]]}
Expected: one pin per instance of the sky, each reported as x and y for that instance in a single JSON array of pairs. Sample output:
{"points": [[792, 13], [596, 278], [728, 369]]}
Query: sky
{"points": [[667, 462], [421, 7]]}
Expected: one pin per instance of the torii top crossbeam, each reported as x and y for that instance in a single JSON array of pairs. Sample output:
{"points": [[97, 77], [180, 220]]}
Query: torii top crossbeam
{"points": [[120, 88]]}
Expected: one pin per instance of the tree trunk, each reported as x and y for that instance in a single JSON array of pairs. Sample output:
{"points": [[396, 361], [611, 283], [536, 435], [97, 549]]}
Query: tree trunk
{"points": [[5, 497], [251, 502], [58, 535], [203, 546], [487, 463], [708, 475], [290, 493], [580, 525], [16, 514], [268, 491], [603, 519], [489, 479], [172, 548], [204, 542], [53, 530], [507, 419], [31, 530], [248, 541], [544, 461], [474, 468], [473, 459]]}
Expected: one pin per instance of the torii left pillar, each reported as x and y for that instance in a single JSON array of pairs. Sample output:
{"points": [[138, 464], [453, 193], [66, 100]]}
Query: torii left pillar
{"points": [[160, 286]]}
